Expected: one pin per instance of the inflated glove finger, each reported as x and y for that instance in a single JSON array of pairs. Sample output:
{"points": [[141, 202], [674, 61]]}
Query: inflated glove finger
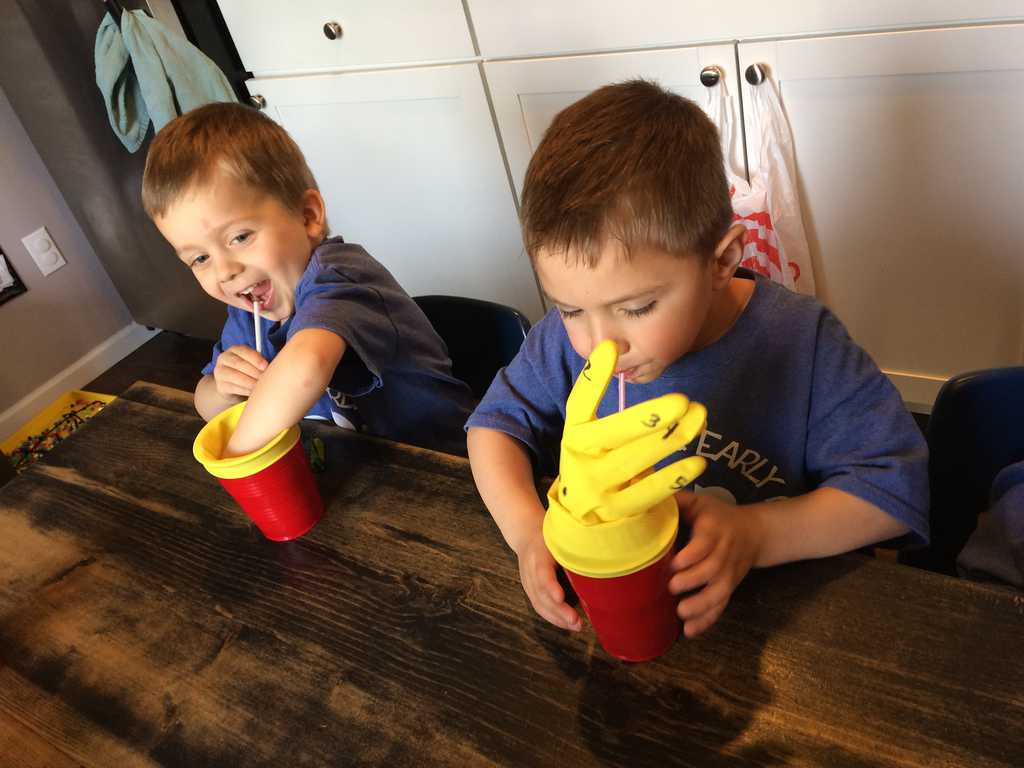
{"points": [[598, 436], [655, 488]]}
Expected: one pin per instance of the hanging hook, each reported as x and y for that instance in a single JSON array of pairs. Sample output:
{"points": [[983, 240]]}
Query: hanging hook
{"points": [[709, 76], [755, 74], [114, 9]]}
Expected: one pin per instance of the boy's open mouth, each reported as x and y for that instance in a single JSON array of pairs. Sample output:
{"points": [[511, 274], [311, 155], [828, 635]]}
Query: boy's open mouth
{"points": [[257, 292]]}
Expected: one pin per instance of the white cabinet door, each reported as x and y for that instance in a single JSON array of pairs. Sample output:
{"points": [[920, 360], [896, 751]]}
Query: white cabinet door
{"points": [[907, 145], [528, 94], [410, 167], [536, 27], [273, 37]]}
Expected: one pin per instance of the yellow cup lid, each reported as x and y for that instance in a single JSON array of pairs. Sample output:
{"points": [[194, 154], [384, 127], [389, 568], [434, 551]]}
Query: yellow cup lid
{"points": [[614, 548], [212, 439]]}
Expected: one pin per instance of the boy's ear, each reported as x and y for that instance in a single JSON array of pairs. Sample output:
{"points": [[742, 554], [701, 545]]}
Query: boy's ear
{"points": [[728, 254], [314, 215]]}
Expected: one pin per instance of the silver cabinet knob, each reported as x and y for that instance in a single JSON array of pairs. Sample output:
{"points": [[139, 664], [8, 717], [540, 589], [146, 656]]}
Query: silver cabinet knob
{"points": [[332, 30], [755, 74], [257, 101], [709, 76]]}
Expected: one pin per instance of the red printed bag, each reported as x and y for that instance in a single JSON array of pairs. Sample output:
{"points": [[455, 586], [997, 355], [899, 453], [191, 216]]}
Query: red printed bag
{"points": [[768, 205]]}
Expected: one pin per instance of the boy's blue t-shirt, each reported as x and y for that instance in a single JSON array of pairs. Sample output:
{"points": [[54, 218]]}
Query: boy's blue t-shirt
{"points": [[793, 404], [395, 378]]}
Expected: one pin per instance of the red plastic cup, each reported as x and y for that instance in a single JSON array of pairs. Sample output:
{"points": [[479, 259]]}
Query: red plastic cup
{"points": [[273, 485], [634, 615], [620, 570]]}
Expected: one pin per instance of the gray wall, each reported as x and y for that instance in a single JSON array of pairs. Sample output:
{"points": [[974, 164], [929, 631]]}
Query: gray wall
{"points": [[47, 71], [61, 317]]}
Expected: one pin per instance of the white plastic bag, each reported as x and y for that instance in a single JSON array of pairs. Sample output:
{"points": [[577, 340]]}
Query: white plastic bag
{"points": [[768, 205]]}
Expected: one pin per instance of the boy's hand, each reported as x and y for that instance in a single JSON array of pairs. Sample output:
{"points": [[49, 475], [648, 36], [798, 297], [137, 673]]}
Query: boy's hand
{"points": [[724, 544], [537, 572], [237, 370]]}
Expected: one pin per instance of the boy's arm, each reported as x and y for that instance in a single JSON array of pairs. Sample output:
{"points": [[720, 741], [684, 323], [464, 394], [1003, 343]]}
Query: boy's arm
{"points": [[504, 477], [726, 541], [288, 388], [209, 402], [821, 523]]}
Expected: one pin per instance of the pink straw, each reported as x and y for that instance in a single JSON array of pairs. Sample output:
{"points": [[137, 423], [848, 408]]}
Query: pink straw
{"points": [[622, 393]]}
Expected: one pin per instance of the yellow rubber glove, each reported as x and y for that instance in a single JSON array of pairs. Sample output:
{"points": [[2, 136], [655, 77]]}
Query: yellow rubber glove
{"points": [[603, 461]]}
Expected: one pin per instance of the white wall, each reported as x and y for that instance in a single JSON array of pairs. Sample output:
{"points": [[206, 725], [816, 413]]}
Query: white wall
{"points": [[61, 318]]}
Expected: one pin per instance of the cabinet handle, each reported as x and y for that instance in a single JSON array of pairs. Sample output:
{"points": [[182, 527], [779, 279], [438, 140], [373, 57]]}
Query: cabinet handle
{"points": [[332, 30], [709, 76], [257, 101], [755, 74]]}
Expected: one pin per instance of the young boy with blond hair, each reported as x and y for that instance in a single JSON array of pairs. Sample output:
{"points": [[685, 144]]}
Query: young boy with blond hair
{"points": [[810, 452], [231, 192]]}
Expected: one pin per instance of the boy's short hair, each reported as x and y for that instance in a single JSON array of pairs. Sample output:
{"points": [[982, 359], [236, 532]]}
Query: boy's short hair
{"points": [[240, 140], [630, 162]]}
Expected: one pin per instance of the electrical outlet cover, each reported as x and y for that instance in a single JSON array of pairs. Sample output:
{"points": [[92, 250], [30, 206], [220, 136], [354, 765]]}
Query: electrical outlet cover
{"points": [[44, 251]]}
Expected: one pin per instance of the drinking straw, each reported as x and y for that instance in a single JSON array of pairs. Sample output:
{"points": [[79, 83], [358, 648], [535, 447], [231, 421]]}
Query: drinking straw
{"points": [[622, 393], [256, 325]]}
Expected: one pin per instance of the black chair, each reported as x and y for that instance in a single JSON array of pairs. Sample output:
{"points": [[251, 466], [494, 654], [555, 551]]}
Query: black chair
{"points": [[976, 428], [481, 336]]}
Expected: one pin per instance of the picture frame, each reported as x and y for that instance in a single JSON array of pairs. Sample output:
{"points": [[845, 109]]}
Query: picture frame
{"points": [[10, 284]]}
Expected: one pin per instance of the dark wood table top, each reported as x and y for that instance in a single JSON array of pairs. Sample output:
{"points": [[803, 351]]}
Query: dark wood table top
{"points": [[144, 621]]}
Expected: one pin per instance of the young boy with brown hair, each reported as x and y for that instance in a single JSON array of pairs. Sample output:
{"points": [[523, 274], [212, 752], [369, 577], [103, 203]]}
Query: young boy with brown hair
{"points": [[341, 340], [810, 452]]}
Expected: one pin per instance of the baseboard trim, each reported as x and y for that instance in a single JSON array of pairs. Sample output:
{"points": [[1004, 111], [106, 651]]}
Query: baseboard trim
{"points": [[918, 390], [75, 376]]}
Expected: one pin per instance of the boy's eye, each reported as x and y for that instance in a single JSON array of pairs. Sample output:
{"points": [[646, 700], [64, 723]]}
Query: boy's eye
{"points": [[569, 313], [641, 311], [198, 261], [240, 238]]}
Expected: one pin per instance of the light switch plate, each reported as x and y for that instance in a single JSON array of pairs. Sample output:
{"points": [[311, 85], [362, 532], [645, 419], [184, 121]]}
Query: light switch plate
{"points": [[44, 251]]}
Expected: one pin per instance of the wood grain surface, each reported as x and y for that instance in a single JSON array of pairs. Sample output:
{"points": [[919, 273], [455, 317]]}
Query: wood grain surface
{"points": [[144, 621]]}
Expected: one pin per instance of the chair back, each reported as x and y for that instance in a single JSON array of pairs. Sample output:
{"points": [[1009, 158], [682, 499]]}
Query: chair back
{"points": [[976, 428], [482, 336]]}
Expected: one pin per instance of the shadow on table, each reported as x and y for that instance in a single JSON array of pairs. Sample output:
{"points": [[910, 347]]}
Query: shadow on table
{"points": [[639, 714]]}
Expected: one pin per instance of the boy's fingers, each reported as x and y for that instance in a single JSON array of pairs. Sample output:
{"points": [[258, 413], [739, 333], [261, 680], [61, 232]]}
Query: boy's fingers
{"points": [[693, 577], [696, 550], [551, 603], [591, 384], [695, 626], [686, 500], [640, 420], [232, 378], [703, 609], [571, 618], [249, 355], [555, 611], [241, 365]]}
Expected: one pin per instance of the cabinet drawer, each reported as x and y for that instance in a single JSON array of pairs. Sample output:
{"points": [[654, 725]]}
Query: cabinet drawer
{"points": [[277, 38], [524, 27]]}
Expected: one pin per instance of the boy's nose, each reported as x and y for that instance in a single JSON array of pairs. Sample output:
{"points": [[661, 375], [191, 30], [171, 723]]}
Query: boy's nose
{"points": [[601, 331], [227, 270]]}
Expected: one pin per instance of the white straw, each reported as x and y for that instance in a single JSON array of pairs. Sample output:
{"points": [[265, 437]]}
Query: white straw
{"points": [[256, 325], [622, 393]]}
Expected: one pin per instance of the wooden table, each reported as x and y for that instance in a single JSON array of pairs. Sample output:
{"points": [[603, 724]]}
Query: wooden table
{"points": [[143, 621]]}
